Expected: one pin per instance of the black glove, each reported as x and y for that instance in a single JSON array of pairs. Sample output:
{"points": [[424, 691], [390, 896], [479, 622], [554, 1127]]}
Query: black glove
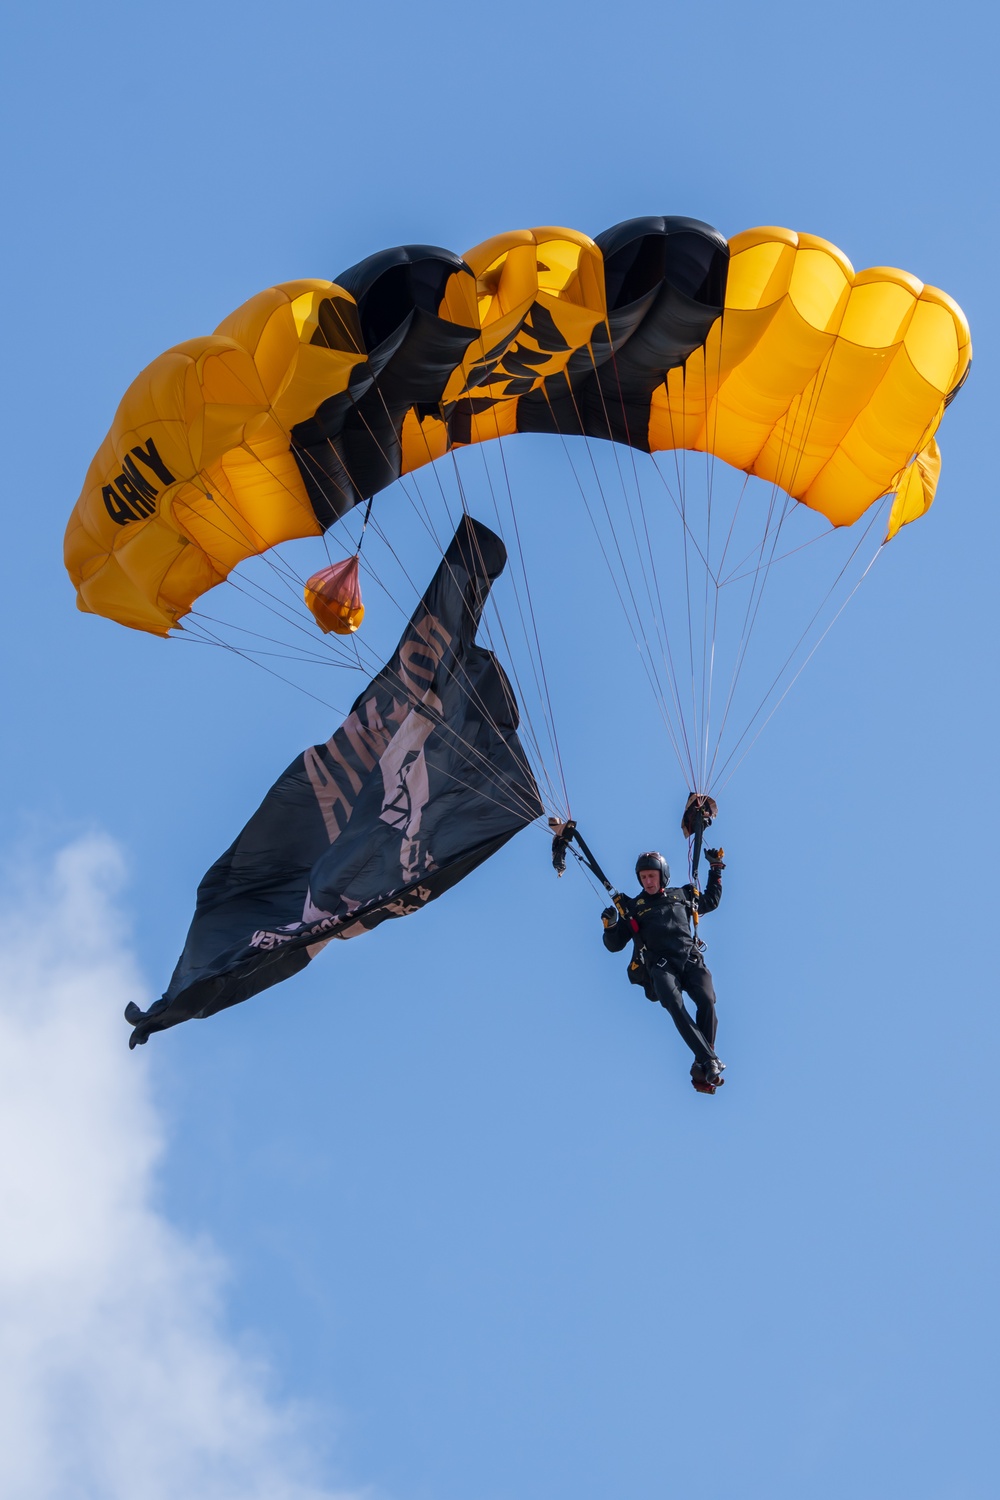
{"points": [[714, 857], [609, 916]]}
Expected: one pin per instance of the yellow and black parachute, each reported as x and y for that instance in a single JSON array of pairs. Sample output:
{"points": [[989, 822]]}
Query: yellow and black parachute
{"points": [[768, 351]]}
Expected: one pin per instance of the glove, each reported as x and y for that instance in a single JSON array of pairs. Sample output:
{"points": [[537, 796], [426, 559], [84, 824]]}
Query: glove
{"points": [[714, 857], [609, 916]]}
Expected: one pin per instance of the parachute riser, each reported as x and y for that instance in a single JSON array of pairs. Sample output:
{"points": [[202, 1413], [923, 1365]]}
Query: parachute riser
{"points": [[699, 814], [565, 834], [699, 835]]}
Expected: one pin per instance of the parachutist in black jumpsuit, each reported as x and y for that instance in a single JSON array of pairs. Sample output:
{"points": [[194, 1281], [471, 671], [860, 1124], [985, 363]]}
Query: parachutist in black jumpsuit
{"points": [[668, 950]]}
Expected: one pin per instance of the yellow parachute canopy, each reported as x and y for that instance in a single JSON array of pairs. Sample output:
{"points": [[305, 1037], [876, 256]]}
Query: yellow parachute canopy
{"points": [[768, 351]]}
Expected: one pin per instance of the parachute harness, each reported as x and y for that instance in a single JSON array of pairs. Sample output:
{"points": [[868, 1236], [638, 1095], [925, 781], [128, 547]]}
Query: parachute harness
{"points": [[700, 813]]}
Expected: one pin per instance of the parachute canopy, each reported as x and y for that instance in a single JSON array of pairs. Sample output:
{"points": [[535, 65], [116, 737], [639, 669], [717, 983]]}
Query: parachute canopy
{"points": [[424, 780], [768, 351]]}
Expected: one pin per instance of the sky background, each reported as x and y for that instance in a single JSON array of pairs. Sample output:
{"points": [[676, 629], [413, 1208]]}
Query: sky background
{"points": [[441, 1218]]}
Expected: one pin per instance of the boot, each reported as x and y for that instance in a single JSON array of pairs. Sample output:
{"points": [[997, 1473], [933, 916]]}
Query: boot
{"points": [[707, 1077]]}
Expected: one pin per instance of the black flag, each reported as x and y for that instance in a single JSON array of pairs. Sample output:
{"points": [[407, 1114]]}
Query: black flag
{"points": [[424, 780]]}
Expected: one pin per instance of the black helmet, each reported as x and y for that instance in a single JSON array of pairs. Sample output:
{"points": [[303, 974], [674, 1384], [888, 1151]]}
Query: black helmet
{"points": [[654, 861]]}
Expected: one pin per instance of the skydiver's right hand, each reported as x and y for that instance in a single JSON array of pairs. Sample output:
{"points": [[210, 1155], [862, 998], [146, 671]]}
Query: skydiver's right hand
{"points": [[626, 907], [609, 916]]}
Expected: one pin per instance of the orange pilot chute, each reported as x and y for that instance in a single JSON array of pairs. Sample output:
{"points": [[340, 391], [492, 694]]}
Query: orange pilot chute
{"points": [[333, 596]]}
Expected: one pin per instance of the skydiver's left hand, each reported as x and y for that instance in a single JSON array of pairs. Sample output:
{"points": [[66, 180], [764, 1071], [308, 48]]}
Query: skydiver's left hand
{"points": [[714, 857]]}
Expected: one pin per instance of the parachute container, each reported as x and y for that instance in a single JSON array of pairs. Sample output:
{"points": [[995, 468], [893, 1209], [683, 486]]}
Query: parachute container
{"points": [[334, 598]]}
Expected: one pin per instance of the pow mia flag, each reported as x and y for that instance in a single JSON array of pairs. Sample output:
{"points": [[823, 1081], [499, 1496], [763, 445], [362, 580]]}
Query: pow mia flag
{"points": [[424, 780]]}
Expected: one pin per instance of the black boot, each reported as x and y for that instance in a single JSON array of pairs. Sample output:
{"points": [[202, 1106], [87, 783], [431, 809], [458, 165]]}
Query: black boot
{"points": [[707, 1077]]}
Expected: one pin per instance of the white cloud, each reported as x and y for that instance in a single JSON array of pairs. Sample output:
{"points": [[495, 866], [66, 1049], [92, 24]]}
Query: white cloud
{"points": [[116, 1381]]}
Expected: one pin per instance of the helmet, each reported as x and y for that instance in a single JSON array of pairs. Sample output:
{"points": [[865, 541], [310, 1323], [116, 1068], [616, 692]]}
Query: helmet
{"points": [[653, 861]]}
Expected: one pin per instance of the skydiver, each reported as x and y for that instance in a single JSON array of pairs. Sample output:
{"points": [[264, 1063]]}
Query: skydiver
{"points": [[667, 959]]}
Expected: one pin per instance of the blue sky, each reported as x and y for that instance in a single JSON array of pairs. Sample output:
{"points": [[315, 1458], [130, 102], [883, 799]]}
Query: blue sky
{"points": [[441, 1217]]}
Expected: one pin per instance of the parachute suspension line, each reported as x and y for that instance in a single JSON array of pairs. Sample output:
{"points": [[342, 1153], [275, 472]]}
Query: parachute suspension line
{"points": [[687, 562], [667, 650], [675, 735], [777, 484], [709, 637], [276, 607], [631, 618], [706, 768], [762, 571], [755, 597], [802, 666], [782, 556], [484, 708], [639, 626], [255, 540], [656, 608], [514, 803], [282, 571], [364, 526], [249, 651], [427, 519], [210, 637], [550, 726], [691, 538], [532, 638], [708, 641], [705, 645], [458, 480], [764, 555], [427, 515], [558, 800], [680, 470], [721, 582], [659, 613], [549, 721], [300, 655], [279, 567], [428, 523], [587, 871], [373, 662]]}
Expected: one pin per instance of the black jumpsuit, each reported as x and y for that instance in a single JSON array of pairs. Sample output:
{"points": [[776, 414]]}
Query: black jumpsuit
{"points": [[671, 957]]}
